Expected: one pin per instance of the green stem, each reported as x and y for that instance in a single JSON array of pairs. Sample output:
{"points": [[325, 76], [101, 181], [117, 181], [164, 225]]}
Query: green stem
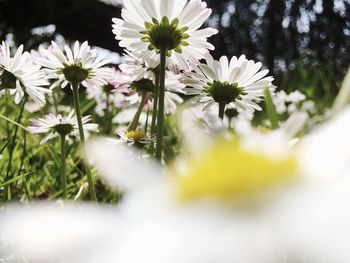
{"points": [[75, 88], [108, 115], [63, 166], [55, 101], [155, 106], [24, 180], [7, 190], [135, 121], [222, 110], [160, 115], [146, 124]]}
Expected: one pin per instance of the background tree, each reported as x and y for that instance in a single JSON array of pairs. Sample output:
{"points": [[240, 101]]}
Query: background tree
{"points": [[289, 37]]}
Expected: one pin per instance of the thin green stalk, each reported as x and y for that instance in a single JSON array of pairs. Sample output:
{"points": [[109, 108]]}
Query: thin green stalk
{"points": [[24, 154], [160, 115], [222, 110], [24, 179], [146, 124], [108, 127], [63, 166], [24, 148], [135, 121], [75, 88], [155, 102], [7, 190], [55, 101], [155, 107]]}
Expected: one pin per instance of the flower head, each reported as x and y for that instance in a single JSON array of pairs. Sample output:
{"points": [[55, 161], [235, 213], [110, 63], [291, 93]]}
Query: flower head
{"points": [[21, 76], [142, 77], [237, 81], [56, 125], [115, 93], [80, 65], [151, 25], [138, 136], [151, 225]]}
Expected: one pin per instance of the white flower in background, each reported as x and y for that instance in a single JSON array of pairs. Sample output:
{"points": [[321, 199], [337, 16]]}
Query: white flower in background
{"points": [[79, 64], [115, 93], [142, 74], [21, 76], [126, 114], [237, 82], [288, 103], [56, 124], [148, 24], [271, 210]]}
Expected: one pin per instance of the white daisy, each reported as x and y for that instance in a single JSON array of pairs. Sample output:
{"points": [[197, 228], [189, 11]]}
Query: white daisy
{"points": [[228, 82], [135, 137], [148, 25], [21, 76], [151, 223], [55, 125], [115, 93], [79, 65], [140, 72]]}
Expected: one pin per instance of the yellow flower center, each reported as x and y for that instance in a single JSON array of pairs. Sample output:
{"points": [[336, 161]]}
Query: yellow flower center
{"points": [[229, 172], [135, 135]]}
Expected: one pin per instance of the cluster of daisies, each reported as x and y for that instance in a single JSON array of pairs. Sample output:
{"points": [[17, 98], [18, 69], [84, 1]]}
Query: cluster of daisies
{"points": [[167, 61]]}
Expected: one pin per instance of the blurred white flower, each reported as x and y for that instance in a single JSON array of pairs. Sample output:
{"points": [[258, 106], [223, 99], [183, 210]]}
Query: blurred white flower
{"points": [[147, 24], [231, 205], [21, 76], [235, 82], [56, 124], [78, 65], [115, 93]]}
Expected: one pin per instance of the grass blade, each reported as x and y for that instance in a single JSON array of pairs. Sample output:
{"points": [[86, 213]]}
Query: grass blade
{"points": [[271, 109], [343, 97], [13, 122], [15, 179]]}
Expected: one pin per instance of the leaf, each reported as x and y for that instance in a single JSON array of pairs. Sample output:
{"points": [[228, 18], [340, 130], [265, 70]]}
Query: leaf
{"points": [[15, 179], [343, 97], [271, 109], [13, 122]]}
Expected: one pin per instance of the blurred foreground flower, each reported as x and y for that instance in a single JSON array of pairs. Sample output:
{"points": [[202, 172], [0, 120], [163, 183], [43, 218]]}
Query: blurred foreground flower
{"points": [[228, 203]]}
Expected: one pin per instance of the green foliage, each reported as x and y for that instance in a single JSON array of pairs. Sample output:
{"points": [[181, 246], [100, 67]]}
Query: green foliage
{"points": [[34, 172], [318, 82]]}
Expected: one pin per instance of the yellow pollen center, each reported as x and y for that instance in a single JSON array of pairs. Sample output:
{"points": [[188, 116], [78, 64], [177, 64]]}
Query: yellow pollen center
{"points": [[135, 135], [229, 172]]}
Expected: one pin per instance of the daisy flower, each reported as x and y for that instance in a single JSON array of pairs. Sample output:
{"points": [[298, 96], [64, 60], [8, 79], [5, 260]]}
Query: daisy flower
{"points": [[54, 125], [114, 93], [150, 25], [21, 76], [77, 65], [139, 72], [237, 82], [266, 212], [138, 137]]}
